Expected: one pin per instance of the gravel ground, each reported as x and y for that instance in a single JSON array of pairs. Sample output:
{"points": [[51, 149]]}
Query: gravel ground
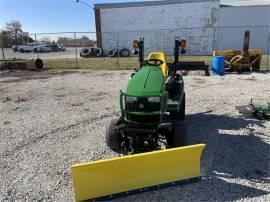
{"points": [[53, 119]]}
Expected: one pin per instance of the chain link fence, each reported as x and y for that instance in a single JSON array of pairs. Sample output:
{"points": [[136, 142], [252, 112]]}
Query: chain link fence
{"points": [[79, 49]]}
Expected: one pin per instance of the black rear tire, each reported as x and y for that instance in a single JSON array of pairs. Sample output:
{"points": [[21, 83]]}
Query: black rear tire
{"points": [[178, 136], [112, 135], [124, 52], [113, 52], [85, 52], [181, 114], [39, 63], [98, 52]]}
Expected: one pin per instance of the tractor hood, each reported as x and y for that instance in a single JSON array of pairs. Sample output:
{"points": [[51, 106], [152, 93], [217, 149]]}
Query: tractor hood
{"points": [[148, 81]]}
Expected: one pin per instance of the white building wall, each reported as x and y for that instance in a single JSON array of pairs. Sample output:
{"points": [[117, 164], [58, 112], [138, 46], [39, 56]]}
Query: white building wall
{"points": [[241, 19], [132, 23]]}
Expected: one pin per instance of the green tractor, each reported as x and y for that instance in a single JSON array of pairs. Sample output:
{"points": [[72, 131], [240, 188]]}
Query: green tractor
{"points": [[152, 106]]}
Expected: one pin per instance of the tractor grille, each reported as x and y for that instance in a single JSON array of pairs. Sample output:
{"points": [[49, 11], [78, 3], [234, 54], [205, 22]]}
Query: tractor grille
{"points": [[143, 119], [142, 105]]}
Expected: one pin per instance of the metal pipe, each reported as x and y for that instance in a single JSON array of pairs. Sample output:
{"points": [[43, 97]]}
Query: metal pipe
{"points": [[76, 51], [118, 52], [268, 50], [214, 40], [3, 54], [86, 4], [246, 44], [132, 31], [163, 41], [141, 51], [37, 48], [176, 54]]}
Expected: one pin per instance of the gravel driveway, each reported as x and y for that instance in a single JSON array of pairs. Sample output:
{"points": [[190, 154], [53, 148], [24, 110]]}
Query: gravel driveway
{"points": [[53, 119]]}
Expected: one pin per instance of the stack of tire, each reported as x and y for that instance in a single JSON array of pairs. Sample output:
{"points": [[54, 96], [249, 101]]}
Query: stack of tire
{"points": [[91, 52], [122, 53]]}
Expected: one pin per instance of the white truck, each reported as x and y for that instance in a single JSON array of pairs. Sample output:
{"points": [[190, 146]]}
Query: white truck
{"points": [[32, 47]]}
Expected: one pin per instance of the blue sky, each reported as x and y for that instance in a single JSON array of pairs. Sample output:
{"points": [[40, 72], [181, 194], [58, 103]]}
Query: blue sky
{"points": [[51, 15]]}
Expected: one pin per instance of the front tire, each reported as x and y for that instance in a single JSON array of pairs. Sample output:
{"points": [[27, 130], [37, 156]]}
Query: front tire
{"points": [[112, 135]]}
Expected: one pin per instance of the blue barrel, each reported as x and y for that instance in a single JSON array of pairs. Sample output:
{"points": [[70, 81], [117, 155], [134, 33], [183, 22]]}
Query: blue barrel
{"points": [[218, 65]]}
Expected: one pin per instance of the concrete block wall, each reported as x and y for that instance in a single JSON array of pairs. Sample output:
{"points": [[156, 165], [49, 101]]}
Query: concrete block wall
{"points": [[120, 26]]}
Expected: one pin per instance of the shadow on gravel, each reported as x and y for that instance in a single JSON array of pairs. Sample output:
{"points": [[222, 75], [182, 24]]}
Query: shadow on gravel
{"points": [[249, 73], [230, 156], [234, 160]]}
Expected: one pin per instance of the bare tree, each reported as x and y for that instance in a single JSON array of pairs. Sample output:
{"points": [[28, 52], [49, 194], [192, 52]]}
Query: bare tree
{"points": [[3, 38], [13, 34], [84, 41], [46, 39], [14, 29]]}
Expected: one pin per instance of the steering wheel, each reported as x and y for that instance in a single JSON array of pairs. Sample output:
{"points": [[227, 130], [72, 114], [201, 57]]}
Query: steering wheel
{"points": [[153, 62]]}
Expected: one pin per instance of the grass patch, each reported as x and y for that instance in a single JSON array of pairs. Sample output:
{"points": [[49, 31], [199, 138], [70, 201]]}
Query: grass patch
{"points": [[92, 63], [129, 63], [264, 62]]}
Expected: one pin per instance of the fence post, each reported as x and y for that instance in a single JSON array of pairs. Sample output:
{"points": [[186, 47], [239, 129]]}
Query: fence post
{"points": [[268, 49], [76, 51], [2, 48], [3, 53], [118, 54], [37, 48], [163, 40], [214, 40]]}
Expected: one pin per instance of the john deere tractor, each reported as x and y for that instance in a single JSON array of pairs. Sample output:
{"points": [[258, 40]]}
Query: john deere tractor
{"points": [[152, 106], [152, 113]]}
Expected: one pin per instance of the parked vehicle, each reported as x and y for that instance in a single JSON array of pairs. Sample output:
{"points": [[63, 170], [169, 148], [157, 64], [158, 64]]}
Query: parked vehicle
{"points": [[57, 48], [32, 47], [44, 48], [23, 48]]}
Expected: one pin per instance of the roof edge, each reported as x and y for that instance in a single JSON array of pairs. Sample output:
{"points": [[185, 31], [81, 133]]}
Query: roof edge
{"points": [[236, 6], [147, 3]]}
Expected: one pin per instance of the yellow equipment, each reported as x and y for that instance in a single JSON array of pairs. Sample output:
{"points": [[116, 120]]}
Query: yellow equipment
{"points": [[17, 63], [236, 60], [160, 56], [107, 177]]}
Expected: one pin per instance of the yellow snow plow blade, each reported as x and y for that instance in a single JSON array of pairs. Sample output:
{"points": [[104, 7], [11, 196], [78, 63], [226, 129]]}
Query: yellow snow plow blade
{"points": [[107, 177]]}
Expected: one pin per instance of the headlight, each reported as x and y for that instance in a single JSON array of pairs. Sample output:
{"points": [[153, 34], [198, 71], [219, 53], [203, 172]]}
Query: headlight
{"points": [[131, 99], [154, 99]]}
